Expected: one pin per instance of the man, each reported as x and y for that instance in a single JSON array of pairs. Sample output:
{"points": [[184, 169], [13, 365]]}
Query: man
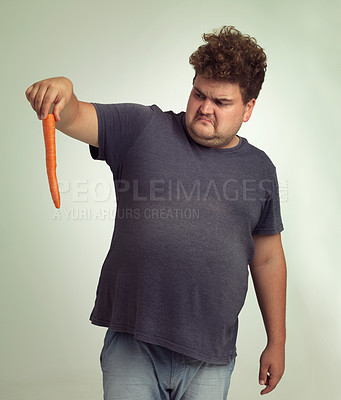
{"points": [[196, 205]]}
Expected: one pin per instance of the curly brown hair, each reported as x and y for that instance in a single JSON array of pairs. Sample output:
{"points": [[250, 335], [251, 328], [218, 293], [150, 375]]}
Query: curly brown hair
{"points": [[230, 56]]}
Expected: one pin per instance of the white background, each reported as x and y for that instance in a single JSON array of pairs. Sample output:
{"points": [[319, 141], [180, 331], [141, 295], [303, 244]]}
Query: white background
{"points": [[138, 52]]}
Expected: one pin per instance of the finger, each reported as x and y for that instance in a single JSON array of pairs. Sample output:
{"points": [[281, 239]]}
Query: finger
{"points": [[267, 390], [28, 91], [47, 101], [271, 383], [263, 373], [31, 95], [38, 100], [43, 98]]}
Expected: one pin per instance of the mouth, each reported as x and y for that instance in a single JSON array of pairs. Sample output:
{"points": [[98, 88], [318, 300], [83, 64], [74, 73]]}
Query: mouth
{"points": [[205, 120]]}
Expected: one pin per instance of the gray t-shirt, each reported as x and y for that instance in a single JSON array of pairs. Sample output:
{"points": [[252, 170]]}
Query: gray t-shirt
{"points": [[176, 274]]}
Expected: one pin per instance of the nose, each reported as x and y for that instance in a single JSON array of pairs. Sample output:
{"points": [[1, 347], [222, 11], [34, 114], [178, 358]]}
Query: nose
{"points": [[206, 107]]}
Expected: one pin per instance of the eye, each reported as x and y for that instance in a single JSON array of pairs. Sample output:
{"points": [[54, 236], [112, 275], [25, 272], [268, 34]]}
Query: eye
{"points": [[221, 103], [199, 96]]}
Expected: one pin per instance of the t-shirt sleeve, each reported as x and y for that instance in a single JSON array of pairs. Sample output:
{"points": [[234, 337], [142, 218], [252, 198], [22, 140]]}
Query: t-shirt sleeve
{"points": [[119, 126], [270, 221]]}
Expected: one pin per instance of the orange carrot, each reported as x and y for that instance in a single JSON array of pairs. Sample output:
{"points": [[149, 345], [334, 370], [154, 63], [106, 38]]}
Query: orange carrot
{"points": [[50, 152]]}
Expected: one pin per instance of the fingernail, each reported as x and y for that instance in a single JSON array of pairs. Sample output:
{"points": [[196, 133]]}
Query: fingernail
{"points": [[261, 382]]}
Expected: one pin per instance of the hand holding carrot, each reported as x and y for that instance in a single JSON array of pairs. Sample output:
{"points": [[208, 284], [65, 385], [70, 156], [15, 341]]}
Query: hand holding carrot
{"points": [[45, 96], [75, 118], [70, 116], [53, 91]]}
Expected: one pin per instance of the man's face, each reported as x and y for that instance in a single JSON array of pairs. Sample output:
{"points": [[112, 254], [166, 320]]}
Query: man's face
{"points": [[215, 112]]}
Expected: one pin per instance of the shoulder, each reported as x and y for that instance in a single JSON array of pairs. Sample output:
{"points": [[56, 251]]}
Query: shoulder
{"points": [[169, 118], [169, 114], [258, 156]]}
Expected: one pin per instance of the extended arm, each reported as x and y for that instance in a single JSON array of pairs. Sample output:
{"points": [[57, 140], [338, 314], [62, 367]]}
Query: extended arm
{"points": [[74, 118], [268, 270]]}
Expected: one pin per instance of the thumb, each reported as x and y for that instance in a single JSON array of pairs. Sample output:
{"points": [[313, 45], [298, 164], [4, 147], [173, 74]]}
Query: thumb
{"points": [[263, 373], [51, 108], [58, 108]]}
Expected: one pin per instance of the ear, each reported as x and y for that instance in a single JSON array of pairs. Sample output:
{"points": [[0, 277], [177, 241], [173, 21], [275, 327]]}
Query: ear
{"points": [[248, 109]]}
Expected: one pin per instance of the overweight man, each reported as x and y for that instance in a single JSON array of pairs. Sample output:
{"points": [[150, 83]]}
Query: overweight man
{"points": [[197, 208]]}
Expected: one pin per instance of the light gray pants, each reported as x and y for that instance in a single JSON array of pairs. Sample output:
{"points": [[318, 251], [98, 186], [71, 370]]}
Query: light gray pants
{"points": [[137, 370]]}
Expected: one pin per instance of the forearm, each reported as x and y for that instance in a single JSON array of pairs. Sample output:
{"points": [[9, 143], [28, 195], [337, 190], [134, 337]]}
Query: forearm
{"points": [[78, 119], [269, 280]]}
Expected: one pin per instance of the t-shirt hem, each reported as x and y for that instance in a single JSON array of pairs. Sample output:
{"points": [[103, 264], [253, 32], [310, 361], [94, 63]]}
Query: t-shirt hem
{"points": [[166, 343], [269, 231]]}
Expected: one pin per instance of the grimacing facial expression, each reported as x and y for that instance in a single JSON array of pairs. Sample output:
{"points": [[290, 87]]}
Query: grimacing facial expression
{"points": [[215, 112]]}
